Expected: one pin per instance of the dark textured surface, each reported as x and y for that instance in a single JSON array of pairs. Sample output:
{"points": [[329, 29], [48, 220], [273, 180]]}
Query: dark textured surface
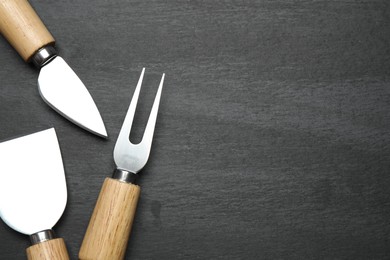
{"points": [[272, 140]]}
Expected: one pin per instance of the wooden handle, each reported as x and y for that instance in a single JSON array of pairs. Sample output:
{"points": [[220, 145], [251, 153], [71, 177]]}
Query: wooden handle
{"points": [[48, 250], [110, 225], [22, 27]]}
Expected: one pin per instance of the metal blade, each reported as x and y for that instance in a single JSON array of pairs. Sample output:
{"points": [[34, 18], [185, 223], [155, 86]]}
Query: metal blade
{"points": [[32, 182], [62, 89]]}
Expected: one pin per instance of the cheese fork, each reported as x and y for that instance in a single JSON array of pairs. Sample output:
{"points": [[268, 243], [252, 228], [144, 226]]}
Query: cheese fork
{"points": [[110, 225]]}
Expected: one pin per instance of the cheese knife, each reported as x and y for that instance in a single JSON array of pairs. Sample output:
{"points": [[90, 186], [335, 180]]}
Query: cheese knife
{"points": [[58, 84], [33, 191]]}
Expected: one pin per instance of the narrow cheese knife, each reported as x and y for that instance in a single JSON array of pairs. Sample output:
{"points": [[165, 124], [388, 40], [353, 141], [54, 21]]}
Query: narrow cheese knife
{"points": [[58, 85], [33, 191]]}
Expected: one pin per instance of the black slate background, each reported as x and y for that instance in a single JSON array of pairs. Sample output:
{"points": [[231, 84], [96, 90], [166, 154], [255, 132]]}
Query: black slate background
{"points": [[272, 140]]}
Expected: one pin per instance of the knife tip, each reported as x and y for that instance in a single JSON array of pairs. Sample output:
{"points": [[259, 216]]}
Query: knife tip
{"points": [[103, 133]]}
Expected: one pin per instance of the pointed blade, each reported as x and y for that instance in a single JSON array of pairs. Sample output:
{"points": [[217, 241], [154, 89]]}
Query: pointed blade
{"points": [[62, 89], [32, 182]]}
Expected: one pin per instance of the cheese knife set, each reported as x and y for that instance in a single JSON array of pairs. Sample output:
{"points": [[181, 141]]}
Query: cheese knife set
{"points": [[33, 191]]}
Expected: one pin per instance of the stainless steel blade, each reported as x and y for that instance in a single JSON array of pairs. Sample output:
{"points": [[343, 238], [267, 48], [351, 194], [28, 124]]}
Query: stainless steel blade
{"points": [[62, 89], [32, 182]]}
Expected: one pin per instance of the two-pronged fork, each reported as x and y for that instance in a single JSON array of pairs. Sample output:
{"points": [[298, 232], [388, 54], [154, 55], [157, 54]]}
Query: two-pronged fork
{"points": [[110, 225]]}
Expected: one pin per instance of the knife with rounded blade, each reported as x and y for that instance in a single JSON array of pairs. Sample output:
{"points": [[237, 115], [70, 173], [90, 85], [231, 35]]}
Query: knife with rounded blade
{"points": [[58, 84], [33, 191]]}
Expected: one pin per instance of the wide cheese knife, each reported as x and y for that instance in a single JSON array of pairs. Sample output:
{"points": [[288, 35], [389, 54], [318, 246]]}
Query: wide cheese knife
{"points": [[33, 191], [58, 85]]}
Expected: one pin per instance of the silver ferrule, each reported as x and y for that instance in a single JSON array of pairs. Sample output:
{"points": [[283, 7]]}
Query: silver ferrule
{"points": [[124, 176], [43, 56], [42, 236]]}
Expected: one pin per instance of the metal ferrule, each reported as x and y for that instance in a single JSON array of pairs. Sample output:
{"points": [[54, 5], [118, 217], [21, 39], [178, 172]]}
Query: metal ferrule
{"points": [[42, 236], [124, 176], [43, 56]]}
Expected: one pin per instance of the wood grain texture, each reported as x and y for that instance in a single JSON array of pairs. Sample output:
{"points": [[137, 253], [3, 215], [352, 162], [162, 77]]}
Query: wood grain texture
{"points": [[111, 221], [22, 27], [272, 139], [54, 249]]}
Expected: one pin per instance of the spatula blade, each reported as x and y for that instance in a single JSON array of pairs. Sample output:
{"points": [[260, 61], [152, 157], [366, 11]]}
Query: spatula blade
{"points": [[33, 191], [62, 89]]}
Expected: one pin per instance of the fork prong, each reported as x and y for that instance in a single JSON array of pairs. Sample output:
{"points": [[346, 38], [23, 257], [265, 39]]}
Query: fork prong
{"points": [[149, 129], [133, 157], [128, 122]]}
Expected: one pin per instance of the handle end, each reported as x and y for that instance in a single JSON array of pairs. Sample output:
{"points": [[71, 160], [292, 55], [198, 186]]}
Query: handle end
{"points": [[23, 28]]}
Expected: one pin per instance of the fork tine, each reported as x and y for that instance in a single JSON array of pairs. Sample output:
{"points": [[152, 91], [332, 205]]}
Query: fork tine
{"points": [[128, 122], [149, 129], [133, 157]]}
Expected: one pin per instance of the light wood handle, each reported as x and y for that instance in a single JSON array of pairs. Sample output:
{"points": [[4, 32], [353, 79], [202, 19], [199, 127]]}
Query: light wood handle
{"points": [[110, 225], [48, 250], [22, 27]]}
